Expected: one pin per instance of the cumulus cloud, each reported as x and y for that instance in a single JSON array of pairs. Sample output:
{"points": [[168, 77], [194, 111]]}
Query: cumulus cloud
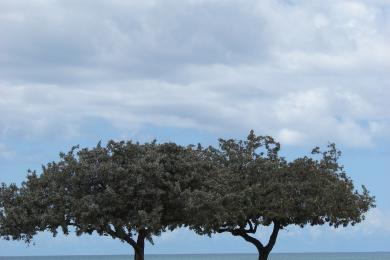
{"points": [[303, 71]]}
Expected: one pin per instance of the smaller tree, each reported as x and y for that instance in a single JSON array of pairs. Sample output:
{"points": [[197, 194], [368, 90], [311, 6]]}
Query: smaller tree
{"points": [[247, 184], [125, 190]]}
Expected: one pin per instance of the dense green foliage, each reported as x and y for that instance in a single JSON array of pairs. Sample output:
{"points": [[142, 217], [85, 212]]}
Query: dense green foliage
{"points": [[251, 185], [122, 190], [133, 191], [16, 220]]}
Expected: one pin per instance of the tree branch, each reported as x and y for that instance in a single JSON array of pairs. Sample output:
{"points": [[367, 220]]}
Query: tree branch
{"points": [[221, 230], [252, 228], [119, 233], [242, 233], [274, 235]]}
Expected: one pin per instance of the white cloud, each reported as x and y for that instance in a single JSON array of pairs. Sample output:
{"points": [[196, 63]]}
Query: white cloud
{"points": [[377, 221], [376, 224], [287, 136], [304, 71]]}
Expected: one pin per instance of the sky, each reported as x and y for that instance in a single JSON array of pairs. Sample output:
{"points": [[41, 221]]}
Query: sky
{"points": [[188, 71]]}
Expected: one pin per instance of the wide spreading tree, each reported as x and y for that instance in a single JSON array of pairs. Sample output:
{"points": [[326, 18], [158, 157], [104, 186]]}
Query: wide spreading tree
{"points": [[134, 191], [247, 184], [126, 190]]}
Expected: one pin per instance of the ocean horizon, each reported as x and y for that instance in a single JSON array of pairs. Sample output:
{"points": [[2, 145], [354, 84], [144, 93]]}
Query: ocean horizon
{"points": [[273, 256]]}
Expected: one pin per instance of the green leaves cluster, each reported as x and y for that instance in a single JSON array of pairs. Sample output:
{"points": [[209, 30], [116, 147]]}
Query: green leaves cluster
{"points": [[133, 192]]}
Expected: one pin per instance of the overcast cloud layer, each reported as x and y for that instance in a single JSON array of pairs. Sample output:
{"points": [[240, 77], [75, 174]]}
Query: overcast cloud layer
{"points": [[304, 71]]}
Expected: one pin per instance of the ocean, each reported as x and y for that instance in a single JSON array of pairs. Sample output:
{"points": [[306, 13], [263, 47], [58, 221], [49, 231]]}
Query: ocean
{"points": [[275, 256]]}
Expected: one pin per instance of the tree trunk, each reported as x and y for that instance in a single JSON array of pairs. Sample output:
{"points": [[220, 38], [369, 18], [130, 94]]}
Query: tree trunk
{"points": [[139, 249], [263, 254], [139, 255], [262, 250]]}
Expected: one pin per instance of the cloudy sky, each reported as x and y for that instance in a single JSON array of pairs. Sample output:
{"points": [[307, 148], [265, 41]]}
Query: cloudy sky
{"points": [[304, 71]]}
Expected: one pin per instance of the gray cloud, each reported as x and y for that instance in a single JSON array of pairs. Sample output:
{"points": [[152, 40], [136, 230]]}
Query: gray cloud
{"points": [[300, 70], [63, 40]]}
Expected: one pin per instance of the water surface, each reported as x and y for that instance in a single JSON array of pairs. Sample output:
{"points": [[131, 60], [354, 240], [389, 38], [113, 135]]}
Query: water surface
{"points": [[276, 256]]}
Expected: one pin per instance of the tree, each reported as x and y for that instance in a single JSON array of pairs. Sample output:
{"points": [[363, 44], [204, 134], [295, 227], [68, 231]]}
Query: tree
{"points": [[128, 191], [248, 184]]}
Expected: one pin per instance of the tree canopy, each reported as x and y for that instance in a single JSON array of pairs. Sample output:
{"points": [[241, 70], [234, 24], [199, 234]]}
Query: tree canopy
{"points": [[133, 191], [125, 190], [251, 185]]}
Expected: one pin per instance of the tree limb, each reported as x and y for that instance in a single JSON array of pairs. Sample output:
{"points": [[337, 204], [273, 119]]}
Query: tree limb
{"points": [[252, 228], [242, 233], [274, 235], [119, 233]]}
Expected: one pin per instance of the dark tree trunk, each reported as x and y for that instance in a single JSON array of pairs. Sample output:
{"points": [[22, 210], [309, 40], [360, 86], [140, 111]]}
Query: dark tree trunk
{"points": [[263, 254], [264, 251], [139, 248], [139, 254]]}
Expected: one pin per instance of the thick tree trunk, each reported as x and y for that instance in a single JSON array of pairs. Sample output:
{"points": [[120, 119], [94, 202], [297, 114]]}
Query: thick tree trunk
{"points": [[263, 254], [139, 249], [264, 251], [139, 254]]}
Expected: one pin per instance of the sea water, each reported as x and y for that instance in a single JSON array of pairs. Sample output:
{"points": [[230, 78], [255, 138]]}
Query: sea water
{"points": [[275, 256]]}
